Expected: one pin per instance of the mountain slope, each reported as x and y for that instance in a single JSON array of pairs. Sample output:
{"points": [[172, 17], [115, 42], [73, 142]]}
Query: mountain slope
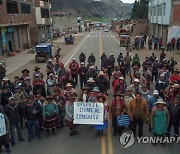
{"points": [[103, 8]]}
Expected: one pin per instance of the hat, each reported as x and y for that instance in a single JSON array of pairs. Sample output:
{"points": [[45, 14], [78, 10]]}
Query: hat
{"points": [[92, 67], [5, 79], [160, 101], [25, 70], [91, 80], [101, 73], [51, 74], [156, 59], [136, 80], [82, 63], [176, 70], [1, 63], [162, 75], [96, 89], [128, 89], [49, 60], [156, 92], [49, 97], [101, 96], [175, 85], [118, 93], [11, 98], [121, 78], [30, 97], [111, 54], [36, 75], [69, 85], [36, 68], [74, 59]]}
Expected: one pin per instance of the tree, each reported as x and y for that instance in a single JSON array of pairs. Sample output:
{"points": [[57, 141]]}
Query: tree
{"points": [[140, 9]]}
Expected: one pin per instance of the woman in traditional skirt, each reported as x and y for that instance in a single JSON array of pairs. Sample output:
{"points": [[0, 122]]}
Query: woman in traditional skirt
{"points": [[100, 128], [69, 108], [4, 139], [50, 115]]}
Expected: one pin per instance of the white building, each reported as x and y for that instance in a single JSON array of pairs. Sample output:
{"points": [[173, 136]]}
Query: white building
{"points": [[164, 19]]}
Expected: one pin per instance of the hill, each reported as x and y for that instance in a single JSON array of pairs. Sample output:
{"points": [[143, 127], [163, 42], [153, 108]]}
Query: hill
{"points": [[91, 8]]}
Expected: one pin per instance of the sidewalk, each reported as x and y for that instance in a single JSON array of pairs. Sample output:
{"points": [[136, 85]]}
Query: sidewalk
{"points": [[23, 58], [15, 62]]}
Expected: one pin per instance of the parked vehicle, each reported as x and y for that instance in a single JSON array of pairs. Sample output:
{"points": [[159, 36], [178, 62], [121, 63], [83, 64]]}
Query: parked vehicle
{"points": [[69, 39], [43, 52], [124, 39]]}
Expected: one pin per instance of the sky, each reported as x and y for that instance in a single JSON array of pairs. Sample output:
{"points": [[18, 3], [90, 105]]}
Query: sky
{"points": [[128, 1]]}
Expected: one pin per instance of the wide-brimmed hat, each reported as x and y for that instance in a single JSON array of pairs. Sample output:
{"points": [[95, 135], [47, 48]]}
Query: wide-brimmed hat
{"points": [[74, 59], [156, 92], [136, 80], [69, 85], [101, 96], [82, 63], [118, 93], [49, 97], [95, 89], [121, 78], [160, 101], [25, 70], [36, 75], [5, 79], [91, 80], [36, 68], [176, 70], [175, 85]]}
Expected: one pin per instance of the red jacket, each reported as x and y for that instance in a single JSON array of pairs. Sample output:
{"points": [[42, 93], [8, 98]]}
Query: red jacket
{"points": [[175, 78], [74, 67]]}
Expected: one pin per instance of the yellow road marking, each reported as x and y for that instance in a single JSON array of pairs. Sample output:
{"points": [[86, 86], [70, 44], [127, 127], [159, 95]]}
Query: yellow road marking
{"points": [[103, 143], [109, 138]]}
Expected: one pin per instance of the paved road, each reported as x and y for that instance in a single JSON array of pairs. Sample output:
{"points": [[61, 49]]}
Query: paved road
{"points": [[86, 143]]}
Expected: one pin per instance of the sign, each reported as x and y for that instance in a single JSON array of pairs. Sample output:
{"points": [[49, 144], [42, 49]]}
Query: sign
{"points": [[2, 125], [88, 113]]}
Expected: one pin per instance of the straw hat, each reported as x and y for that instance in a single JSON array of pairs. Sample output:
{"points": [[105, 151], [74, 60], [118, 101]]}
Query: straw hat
{"points": [[121, 78], [91, 80], [5, 79], [25, 70], [160, 101], [118, 93], [136, 80], [69, 85], [156, 92], [101, 96]]}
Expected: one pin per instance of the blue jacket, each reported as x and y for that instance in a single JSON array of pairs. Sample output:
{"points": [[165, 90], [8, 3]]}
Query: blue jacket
{"points": [[152, 101]]}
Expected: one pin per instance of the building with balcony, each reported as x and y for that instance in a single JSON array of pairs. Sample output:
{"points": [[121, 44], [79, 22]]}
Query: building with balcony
{"points": [[164, 17], [41, 30], [16, 16]]}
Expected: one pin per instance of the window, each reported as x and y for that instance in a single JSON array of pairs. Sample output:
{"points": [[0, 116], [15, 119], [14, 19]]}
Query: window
{"points": [[12, 7], [25, 8], [44, 13], [164, 9]]}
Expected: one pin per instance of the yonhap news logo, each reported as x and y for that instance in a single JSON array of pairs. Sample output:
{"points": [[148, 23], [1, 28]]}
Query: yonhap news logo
{"points": [[127, 139]]}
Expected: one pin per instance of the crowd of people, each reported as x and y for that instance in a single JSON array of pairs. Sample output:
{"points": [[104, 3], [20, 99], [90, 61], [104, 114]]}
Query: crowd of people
{"points": [[156, 43], [46, 100]]}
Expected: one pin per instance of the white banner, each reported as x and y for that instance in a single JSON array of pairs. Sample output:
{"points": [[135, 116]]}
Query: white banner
{"points": [[2, 125], [88, 113]]}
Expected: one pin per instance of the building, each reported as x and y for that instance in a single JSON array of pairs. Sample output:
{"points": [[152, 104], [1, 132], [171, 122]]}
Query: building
{"points": [[16, 16], [41, 30], [164, 17]]}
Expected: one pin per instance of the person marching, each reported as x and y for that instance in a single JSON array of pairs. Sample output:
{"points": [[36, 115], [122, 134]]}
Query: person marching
{"points": [[159, 119], [117, 108], [69, 116], [50, 115], [100, 128]]}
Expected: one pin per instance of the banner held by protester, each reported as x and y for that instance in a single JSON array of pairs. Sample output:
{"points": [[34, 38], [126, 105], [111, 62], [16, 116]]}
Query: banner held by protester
{"points": [[88, 113]]}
